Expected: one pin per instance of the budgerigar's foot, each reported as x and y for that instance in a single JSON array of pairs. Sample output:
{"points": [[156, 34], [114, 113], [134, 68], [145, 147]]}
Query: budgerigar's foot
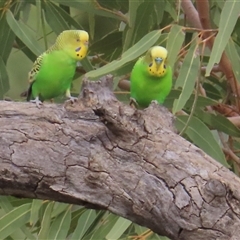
{"points": [[72, 99], [37, 102], [154, 102], [133, 103]]}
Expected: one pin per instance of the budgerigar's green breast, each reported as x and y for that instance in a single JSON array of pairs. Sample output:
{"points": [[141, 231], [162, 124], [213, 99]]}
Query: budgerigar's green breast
{"points": [[55, 75], [145, 88]]}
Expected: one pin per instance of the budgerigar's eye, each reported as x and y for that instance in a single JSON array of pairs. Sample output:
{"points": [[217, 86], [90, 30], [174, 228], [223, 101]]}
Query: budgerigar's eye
{"points": [[150, 65], [78, 49], [78, 40]]}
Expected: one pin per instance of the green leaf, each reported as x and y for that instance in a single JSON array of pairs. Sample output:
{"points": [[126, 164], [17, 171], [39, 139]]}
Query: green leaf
{"points": [[132, 53], [118, 229], [59, 208], [201, 101], [7, 37], [201, 136], [84, 222], [87, 64], [54, 19], [36, 205], [212, 91], [133, 6], [103, 227], [93, 7], [26, 50], [14, 219], [46, 221], [92, 23], [24, 33], [4, 81], [107, 44], [174, 43], [219, 122], [232, 51], [142, 21], [6, 206], [229, 17], [159, 9], [187, 77], [66, 17], [171, 9], [60, 226]]}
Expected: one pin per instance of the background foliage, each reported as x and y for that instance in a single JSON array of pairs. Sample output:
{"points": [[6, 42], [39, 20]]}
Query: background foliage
{"points": [[205, 96]]}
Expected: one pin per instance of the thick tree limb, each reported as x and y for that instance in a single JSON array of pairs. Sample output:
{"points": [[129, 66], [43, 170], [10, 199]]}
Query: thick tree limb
{"points": [[102, 153]]}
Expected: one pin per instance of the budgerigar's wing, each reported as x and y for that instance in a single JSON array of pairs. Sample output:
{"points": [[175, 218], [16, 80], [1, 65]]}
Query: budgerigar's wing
{"points": [[33, 73], [36, 68]]}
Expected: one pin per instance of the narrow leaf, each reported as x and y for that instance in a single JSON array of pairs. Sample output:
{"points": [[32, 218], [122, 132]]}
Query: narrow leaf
{"points": [[132, 53], [36, 205], [46, 221], [54, 19], [229, 17], [142, 21], [24, 33], [93, 7], [7, 37], [174, 43], [84, 222], [103, 227], [4, 81], [232, 51], [187, 77], [119, 228], [201, 101], [133, 6], [201, 136], [60, 226], [219, 122], [14, 219]]}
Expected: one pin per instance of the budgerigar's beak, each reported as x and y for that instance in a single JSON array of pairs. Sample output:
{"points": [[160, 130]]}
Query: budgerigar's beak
{"points": [[158, 60]]}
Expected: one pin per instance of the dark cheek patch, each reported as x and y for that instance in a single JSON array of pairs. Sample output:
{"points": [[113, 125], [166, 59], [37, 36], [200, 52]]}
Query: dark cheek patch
{"points": [[78, 49]]}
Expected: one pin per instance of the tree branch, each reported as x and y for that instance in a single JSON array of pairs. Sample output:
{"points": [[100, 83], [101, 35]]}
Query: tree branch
{"points": [[102, 153]]}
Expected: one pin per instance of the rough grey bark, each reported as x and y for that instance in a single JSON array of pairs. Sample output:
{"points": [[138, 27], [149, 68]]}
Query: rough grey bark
{"points": [[102, 153]]}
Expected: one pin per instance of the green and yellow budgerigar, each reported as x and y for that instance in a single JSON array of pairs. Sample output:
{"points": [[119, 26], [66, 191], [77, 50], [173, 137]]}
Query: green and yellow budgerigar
{"points": [[53, 71], [151, 77]]}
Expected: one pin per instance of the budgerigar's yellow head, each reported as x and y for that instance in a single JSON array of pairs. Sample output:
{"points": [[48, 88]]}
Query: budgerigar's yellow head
{"points": [[156, 59], [74, 43]]}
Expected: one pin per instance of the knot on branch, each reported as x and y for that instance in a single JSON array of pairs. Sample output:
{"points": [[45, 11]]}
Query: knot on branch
{"points": [[120, 118]]}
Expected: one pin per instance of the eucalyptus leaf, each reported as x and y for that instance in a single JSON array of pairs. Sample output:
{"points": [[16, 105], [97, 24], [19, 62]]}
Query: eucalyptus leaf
{"points": [[24, 33], [229, 17], [14, 219], [132, 53], [187, 77], [174, 43], [219, 122], [201, 136], [4, 81]]}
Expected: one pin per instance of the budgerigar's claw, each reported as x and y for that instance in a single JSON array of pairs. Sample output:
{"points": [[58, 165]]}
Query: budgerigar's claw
{"points": [[72, 99], [154, 102], [133, 103], [37, 102]]}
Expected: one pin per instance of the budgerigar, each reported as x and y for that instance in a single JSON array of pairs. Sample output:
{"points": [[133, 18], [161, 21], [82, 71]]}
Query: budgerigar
{"points": [[53, 71], [151, 77]]}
